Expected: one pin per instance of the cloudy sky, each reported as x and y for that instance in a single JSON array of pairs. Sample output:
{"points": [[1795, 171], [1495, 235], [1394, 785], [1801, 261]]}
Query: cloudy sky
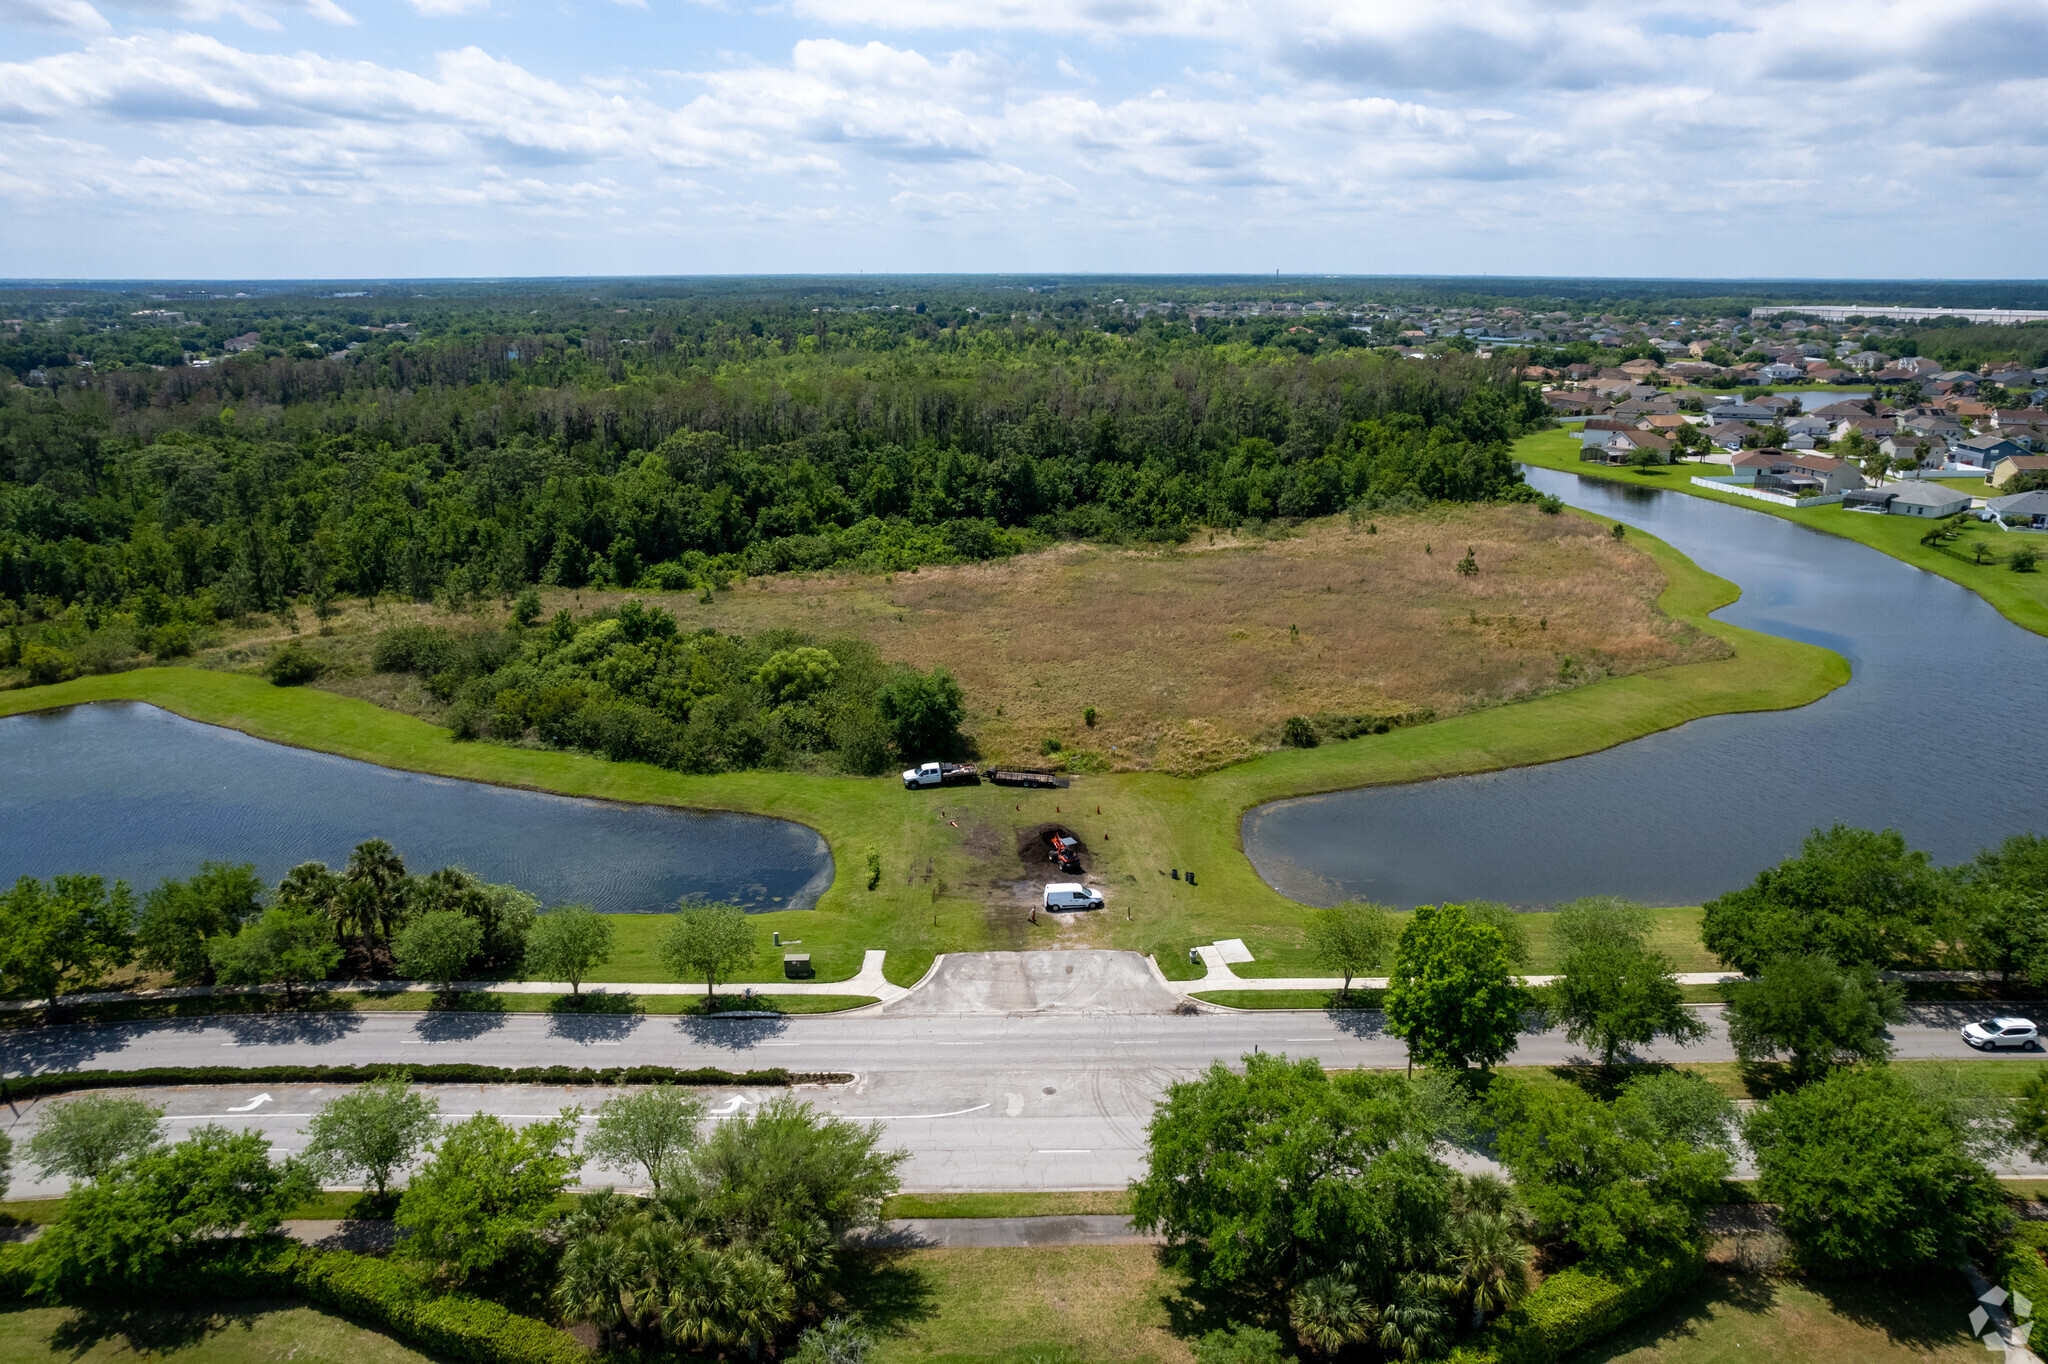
{"points": [[340, 138]]}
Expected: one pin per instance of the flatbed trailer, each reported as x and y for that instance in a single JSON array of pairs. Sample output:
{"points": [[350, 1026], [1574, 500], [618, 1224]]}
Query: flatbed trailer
{"points": [[1027, 776]]}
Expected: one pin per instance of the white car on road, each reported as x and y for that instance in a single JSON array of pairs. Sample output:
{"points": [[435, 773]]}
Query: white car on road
{"points": [[1071, 895], [2003, 1032]]}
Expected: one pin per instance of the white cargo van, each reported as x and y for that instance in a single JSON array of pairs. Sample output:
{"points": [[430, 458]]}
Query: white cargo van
{"points": [[1071, 895]]}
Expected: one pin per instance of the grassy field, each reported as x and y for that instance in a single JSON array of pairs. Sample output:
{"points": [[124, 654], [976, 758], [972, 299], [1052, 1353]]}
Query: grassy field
{"points": [[1743, 1320], [354, 1001], [2021, 598], [952, 875], [246, 1333], [1023, 1204], [1330, 617]]}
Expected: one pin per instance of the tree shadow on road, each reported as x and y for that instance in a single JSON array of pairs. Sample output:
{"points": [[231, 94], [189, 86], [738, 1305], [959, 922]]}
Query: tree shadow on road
{"points": [[596, 1018], [730, 1034], [461, 1020]]}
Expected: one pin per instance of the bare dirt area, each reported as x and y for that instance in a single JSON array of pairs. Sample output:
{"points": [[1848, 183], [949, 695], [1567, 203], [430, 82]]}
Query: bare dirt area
{"points": [[1194, 657]]}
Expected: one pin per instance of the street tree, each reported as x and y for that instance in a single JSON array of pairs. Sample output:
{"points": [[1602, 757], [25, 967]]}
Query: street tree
{"points": [[1452, 995], [371, 1131], [288, 944], [488, 1189], [1868, 1175], [568, 944], [1351, 938], [87, 1137], [1616, 1181], [179, 916], [376, 869], [119, 1234], [1814, 1012], [1857, 897], [707, 943], [1512, 924], [1614, 995], [437, 946], [653, 1131], [72, 929]]}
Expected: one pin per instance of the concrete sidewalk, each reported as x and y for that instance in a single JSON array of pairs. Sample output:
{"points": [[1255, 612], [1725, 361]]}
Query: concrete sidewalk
{"points": [[1220, 976]]}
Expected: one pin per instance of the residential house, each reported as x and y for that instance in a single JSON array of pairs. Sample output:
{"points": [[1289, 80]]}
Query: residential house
{"points": [[2018, 416], [1825, 374], [1864, 360], [1808, 426], [1909, 450], [1776, 403], [1573, 404], [1620, 447], [1909, 499], [1985, 451], [2021, 511], [1925, 423], [246, 341], [1839, 410], [2012, 466], [1645, 407], [1641, 368], [1780, 371], [1919, 366], [1729, 435], [1800, 475], [1597, 429], [1664, 423], [1736, 410]]}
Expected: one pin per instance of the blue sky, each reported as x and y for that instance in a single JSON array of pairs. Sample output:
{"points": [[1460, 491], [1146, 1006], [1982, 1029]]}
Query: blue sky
{"points": [[340, 138]]}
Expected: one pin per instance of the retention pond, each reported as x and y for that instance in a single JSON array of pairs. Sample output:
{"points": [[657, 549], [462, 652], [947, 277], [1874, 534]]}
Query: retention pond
{"points": [[1938, 734], [128, 790]]}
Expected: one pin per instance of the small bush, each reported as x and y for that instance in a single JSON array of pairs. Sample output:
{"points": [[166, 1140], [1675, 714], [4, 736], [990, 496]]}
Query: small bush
{"points": [[46, 665], [292, 666], [1298, 732], [173, 640], [413, 649], [1577, 1306], [2023, 559], [1050, 746], [23, 1087]]}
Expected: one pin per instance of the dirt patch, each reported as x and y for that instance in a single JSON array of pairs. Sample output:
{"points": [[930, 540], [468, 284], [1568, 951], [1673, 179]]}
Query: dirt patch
{"points": [[1034, 851]]}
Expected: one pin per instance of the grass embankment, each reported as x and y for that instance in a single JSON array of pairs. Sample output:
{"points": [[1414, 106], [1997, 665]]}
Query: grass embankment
{"points": [[1081, 1203], [235, 1333], [1741, 1319], [2021, 598], [952, 876]]}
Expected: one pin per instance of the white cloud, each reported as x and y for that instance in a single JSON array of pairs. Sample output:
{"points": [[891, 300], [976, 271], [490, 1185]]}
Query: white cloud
{"points": [[72, 16]]}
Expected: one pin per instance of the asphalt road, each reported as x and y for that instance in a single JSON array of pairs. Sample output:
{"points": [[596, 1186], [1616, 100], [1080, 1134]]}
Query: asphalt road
{"points": [[1035, 1102]]}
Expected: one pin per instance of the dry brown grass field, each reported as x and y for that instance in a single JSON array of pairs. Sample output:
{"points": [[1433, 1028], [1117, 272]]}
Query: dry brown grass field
{"points": [[1192, 656]]}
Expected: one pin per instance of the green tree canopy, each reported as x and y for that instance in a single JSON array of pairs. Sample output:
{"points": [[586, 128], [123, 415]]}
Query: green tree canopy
{"points": [[121, 1233], [71, 930], [1868, 1175], [1351, 938], [179, 916], [1264, 1181], [1452, 995], [1616, 1179], [923, 712], [288, 944], [1615, 994], [1813, 1011], [89, 1136], [373, 1130], [438, 946], [1599, 921], [708, 943], [1860, 898], [568, 944], [486, 1191], [785, 1164], [653, 1131]]}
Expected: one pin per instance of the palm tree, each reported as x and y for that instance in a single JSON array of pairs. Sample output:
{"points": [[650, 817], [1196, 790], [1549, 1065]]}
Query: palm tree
{"points": [[377, 865], [1492, 1261], [1415, 1325], [1328, 1314]]}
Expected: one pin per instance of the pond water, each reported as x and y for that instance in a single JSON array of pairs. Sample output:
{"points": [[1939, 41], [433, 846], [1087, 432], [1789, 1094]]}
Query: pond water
{"points": [[1937, 735], [129, 790]]}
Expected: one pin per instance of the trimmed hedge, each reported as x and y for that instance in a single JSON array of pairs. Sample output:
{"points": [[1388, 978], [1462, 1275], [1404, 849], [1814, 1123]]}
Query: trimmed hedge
{"points": [[2019, 1266], [1575, 1307], [374, 1293], [58, 1082]]}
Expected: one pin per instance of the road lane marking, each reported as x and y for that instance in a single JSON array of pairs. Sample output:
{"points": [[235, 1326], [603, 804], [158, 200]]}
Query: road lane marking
{"points": [[913, 1117], [252, 1105], [959, 1044]]}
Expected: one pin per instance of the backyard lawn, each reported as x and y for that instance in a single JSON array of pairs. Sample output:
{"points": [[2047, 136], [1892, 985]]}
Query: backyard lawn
{"points": [[247, 1333], [1731, 1320]]}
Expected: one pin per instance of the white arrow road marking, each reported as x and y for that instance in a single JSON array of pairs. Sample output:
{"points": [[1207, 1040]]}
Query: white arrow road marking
{"points": [[252, 1105], [732, 1106]]}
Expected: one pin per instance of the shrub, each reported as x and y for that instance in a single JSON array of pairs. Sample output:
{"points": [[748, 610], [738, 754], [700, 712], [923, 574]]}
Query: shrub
{"points": [[23, 1087], [292, 666], [1298, 732], [172, 640], [1575, 1307], [46, 665], [413, 649]]}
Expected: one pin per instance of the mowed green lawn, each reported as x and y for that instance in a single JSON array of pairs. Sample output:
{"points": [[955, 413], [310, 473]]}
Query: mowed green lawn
{"points": [[1729, 1320], [244, 1333], [2021, 598]]}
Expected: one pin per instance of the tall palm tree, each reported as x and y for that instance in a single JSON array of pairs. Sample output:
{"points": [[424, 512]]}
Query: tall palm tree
{"points": [[1415, 1324], [1492, 1262], [376, 864]]}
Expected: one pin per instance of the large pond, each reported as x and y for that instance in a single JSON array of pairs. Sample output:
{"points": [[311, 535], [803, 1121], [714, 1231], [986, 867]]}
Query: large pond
{"points": [[129, 790], [1938, 735]]}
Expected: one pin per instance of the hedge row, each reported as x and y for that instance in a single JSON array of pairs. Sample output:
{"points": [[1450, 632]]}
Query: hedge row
{"points": [[57, 1082], [369, 1292], [1575, 1307], [2019, 1267]]}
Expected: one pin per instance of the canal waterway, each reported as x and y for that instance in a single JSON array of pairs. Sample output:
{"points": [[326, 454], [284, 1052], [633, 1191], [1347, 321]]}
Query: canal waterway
{"points": [[1937, 734], [129, 790]]}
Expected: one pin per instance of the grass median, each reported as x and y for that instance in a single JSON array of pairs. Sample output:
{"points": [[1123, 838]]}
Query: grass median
{"points": [[592, 1006], [950, 869]]}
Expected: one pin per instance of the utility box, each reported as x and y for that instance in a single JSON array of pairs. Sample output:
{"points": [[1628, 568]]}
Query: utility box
{"points": [[796, 965]]}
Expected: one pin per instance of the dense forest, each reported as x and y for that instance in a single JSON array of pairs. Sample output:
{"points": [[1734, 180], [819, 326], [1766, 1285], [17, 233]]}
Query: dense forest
{"points": [[681, 448]]}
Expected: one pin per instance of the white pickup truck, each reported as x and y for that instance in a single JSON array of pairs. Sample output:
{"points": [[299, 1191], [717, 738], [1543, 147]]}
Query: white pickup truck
{"points": [[939, 774]]}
